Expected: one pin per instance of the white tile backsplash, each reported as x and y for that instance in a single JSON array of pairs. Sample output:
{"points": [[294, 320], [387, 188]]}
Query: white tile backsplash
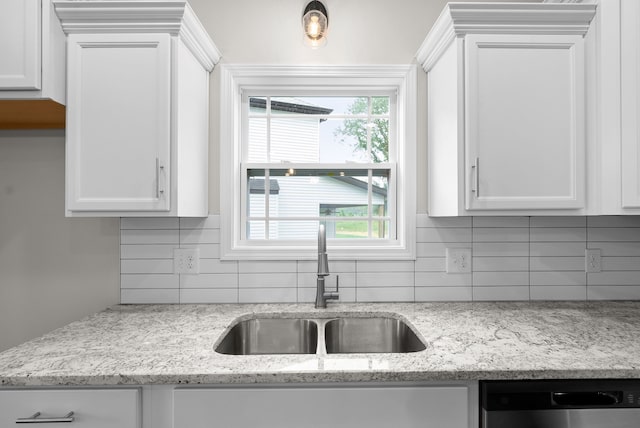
{"points": [[620, 263], [514, 258], [558, 222], [431, 264], [207, 280], [557, 249], [500, 264], [616, 292], [501, 292], [385, 294], [149, 296], [500, 222], [613, 221], [443, 294], [149, 223], [556, 263], [208, 295], [500, 234], [268, 295], [565, 292], [453, 234], [149, 280], [146, 266], [442, 279], [150, 236], [558, 234], [490, 279], [558, 278], [386, 279], [497, 249]]}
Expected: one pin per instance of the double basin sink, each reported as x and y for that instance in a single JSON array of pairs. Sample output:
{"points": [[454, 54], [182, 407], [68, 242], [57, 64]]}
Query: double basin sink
{"points": [[264, 336]]}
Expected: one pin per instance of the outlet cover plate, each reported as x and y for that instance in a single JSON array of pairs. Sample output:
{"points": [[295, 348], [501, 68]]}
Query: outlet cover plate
{"points": [[592, 260], [458, 260], [186, 260]]}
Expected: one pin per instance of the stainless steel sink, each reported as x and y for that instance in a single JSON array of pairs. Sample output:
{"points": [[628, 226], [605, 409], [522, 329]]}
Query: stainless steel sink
{"points": [[271, 336], [374, 335]]}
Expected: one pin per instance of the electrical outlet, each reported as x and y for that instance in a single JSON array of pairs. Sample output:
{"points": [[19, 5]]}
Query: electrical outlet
{"points": [[186, 260], [592, 260], [458, 260]]}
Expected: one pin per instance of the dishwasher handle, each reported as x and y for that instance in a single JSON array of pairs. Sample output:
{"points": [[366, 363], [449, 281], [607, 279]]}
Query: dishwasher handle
{"points": [[587, 398]]}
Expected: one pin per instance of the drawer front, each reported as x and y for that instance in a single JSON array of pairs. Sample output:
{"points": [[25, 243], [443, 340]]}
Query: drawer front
{"points": [[113, 408], [323, 407]]}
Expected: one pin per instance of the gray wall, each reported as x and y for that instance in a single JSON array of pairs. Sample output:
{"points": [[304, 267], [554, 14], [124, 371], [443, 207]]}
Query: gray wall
{"points": [[53, 270]]}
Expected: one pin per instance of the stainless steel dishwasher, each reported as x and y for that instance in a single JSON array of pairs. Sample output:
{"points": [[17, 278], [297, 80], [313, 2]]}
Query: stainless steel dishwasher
{"points": [[560, 404]]}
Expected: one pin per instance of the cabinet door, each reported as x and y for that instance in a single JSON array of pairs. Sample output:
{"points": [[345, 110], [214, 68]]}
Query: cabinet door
{"points": [[524, 121], [630, 53], [118, 122], [91, 408], [20, 28], [330, 407]]}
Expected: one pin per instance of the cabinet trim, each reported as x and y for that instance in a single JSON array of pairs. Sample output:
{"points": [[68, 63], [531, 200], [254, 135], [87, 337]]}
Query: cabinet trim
{"points": [[174, 17], [459, 19]]}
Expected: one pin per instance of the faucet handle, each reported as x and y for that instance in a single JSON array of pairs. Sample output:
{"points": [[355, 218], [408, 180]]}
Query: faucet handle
{"points": [[333, 295]]}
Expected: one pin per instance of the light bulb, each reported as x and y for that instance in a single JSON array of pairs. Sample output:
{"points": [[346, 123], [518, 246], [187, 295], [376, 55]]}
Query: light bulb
{"points": [[313, 29], [314, 24]]}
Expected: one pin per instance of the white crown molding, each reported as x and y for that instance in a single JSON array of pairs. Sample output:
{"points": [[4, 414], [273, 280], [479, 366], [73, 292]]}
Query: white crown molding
{"points": [[459, 19], [173, 17]]}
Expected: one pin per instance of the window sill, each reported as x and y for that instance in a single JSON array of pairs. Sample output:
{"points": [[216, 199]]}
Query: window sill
{"points": [[310, 252]]}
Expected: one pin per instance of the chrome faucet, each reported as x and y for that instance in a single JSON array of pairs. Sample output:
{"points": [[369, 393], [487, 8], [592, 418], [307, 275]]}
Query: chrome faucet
{"points": [[323, 271]]}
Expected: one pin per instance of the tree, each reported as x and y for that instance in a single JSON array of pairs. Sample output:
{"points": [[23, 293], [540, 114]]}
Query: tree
{"points": [[357, 128]]}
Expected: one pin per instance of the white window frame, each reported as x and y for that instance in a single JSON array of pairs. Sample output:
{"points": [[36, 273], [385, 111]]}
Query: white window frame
{"points": [[238, 78]]}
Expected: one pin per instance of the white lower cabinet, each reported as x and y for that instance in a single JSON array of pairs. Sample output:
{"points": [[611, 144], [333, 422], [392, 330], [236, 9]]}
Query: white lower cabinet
{"points": [[339, 405], [92, 408], [335, 406]]}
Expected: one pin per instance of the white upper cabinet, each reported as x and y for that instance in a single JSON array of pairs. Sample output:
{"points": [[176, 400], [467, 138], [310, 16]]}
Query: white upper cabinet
{"points": [[32, 65], [630, 75], [20, 44], [137, 111], [32, 51], [506, 109]]}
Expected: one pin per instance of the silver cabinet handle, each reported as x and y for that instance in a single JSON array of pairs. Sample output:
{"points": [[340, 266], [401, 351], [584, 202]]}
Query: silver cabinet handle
{"points": [[159, 169], [36, 419], [476, 178]]}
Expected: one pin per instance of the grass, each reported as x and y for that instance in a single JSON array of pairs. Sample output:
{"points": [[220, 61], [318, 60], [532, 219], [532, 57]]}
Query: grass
{"points": [[356, 229]]}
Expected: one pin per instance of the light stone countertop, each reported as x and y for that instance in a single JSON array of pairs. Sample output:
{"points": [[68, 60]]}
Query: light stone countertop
{"points": [[174, 344]]}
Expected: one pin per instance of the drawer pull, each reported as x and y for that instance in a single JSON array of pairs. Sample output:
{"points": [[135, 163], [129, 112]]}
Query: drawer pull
{"points": [[36, 419]]}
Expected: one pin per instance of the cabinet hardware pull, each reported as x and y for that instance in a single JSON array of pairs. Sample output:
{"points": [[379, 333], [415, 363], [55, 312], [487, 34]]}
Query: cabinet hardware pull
{"points": [[159, 169], [476, 178], [36, 419]]}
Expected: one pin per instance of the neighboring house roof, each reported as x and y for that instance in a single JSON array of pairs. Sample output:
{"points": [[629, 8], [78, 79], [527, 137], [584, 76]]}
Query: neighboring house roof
{"points": [[300, 106], [256, 186], [362, 185]]}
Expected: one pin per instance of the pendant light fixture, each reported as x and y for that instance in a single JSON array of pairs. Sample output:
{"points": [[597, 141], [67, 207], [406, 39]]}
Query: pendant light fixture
{"points": [[315, 22]]}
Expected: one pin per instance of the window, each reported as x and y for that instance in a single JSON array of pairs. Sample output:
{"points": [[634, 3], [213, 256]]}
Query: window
{"points": [[302, 146]]}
